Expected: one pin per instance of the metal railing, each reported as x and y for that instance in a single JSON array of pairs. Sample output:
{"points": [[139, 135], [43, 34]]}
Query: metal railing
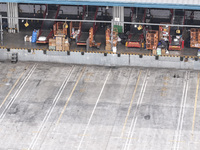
{"points": [[102, 21]]}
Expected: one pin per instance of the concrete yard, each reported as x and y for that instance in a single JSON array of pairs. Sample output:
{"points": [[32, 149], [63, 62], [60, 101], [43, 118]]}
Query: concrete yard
{"points": [[46, 106]]}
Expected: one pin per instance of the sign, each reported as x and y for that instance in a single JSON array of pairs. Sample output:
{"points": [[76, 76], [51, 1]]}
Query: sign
{"points": [[117, 19]]}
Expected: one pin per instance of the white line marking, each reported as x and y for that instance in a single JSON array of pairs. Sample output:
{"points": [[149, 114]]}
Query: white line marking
{"points": [[137, 116], [181, 112], [94, 110], [131, 103], [134, 120], [17, 92], [134, 116], [48, 114]]}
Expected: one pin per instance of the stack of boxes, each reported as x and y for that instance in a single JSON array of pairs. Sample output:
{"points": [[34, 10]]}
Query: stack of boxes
{"points": [[59, 43], [195, 38], [163, 51], [108, 41], [52, 44], [66, 44], [152, 41], [115, 38], [91, 36]]}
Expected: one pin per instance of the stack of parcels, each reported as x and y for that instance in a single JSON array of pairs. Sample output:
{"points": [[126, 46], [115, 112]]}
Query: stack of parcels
{"points": [[195, 38], [59, 43], [52, 44]]}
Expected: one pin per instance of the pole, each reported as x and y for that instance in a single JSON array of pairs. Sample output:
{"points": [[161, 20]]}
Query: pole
{"points": [[16, 15], [1, 30], [112, 25]]}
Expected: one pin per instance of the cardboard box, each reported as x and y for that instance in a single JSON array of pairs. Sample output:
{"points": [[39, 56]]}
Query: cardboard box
{"points": [[163, 51], [52, 42], [59, 48], [59, 40], [52, 47], [65, 44], [108, 47], [59, 43], [66, 48], [154, 52]]}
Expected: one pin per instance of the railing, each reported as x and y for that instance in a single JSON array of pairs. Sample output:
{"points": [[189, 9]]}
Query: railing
{"points": [[49, 36], [172, 12], [57, 13], [132, 8], [44, 16], [95, 17], [80, 25], [79, 35], [144, 17], [83, 12], [184, 18], [51, 32]]}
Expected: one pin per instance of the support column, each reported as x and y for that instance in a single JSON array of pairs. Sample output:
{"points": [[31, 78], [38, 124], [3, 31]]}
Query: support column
{"points": [[118, 16], [1, 29], [13, 23]]}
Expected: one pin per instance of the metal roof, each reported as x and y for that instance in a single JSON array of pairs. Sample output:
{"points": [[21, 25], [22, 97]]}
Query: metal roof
{"points": [[174, 4]]}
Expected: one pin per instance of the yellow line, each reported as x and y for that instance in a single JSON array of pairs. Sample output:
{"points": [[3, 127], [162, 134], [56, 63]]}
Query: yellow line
{"points": [[195, 105], [12, 88], [70, 96], [129, 109]]}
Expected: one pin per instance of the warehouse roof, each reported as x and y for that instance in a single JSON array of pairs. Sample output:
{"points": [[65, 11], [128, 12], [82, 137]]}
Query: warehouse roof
{"points": [[176, 4]]}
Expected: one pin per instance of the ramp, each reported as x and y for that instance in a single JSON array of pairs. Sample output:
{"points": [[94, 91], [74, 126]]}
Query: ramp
{"points": [[46, 29]]}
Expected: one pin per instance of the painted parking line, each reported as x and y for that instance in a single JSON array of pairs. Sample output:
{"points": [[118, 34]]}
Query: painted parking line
{"points": [[181, 112], [86, 128], [131, 103], [49, 112], [134, 120], [195, 105], [63, 110], [13, 86], [14, 97]]}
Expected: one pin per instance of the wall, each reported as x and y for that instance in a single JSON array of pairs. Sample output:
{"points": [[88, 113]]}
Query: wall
{"points": [[157, 13], [71, 10], [100, 59], [30, 8], [3, 7]]}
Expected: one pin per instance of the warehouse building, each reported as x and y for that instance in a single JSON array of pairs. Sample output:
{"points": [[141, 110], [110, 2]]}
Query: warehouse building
{"points": [[99, 75]]}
